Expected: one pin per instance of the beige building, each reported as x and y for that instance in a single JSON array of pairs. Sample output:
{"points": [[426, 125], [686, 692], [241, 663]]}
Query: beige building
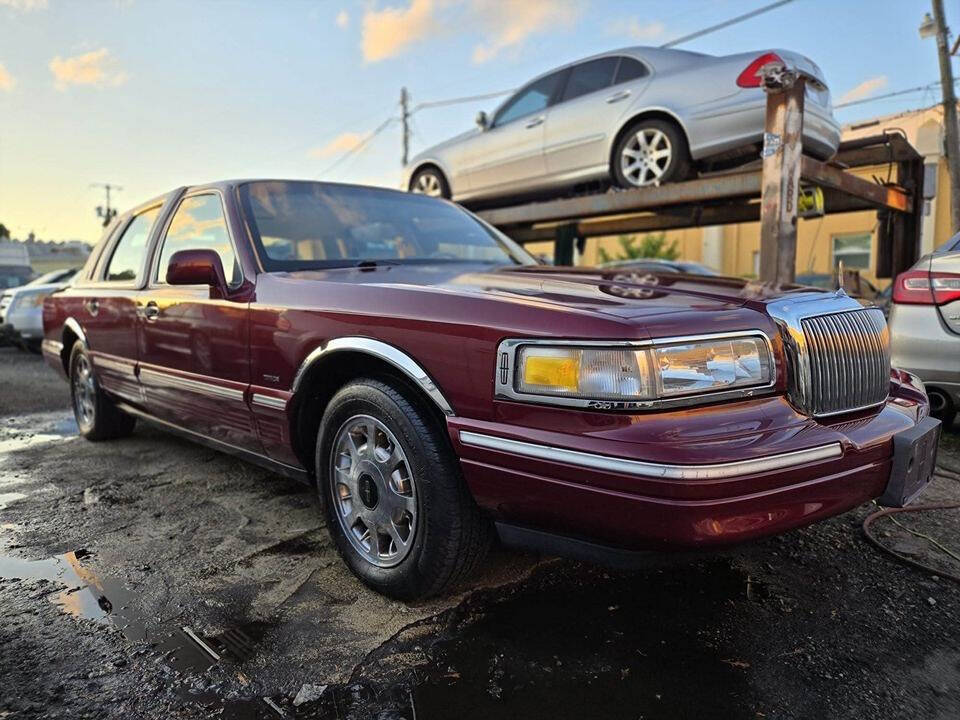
{"points": [[822, 241]]}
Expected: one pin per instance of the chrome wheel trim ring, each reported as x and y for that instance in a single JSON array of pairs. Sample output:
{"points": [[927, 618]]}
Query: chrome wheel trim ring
{"points": [[427, 183], [373, 491], [646, 157], [84, 392]]}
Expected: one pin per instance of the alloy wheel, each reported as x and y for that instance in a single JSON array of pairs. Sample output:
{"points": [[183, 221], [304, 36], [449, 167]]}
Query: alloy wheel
{"points": [[374, 492], [84, 391], [646, 157], [427, 184]]}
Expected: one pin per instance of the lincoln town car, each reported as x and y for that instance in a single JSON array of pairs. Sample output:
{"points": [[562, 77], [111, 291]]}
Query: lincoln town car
{"points": [[441, 389]]}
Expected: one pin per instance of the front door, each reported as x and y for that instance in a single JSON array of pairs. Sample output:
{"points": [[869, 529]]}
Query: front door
{"points": [[510, 152], [194, 360]]}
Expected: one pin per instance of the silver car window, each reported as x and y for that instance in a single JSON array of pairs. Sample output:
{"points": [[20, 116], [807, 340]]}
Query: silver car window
{"points": [[533, 98], [630, 69], [589, 77]]}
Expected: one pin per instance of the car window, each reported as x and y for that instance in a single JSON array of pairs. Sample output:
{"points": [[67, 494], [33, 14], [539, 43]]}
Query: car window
{"points": [[531, 99], [589, 77], [127, 260], [198, 224], [630, 69]]}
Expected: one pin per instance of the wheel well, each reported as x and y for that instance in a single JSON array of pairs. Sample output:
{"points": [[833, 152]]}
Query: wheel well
{"points": [[322, 381], [426, 165], [648, 115], [69, 340]]}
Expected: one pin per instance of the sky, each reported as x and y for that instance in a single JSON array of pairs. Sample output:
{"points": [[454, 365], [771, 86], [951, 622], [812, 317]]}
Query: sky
{"points": [[154, 94]]}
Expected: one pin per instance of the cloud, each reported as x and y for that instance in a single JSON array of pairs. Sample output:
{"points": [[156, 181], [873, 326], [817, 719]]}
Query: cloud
{"points": [[508, 23], [863, 90], [646, 31], [341, 143], [6, 79], [92, 68], [25, 5], [343, 19], [389, 31]]}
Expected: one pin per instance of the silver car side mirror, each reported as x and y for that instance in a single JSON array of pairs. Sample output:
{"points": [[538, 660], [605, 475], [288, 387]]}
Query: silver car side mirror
{"points": [[483, 122]]}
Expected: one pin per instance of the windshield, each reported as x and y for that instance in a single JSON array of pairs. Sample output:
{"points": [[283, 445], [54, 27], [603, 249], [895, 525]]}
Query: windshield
{"points": [[308, 225], [11, 277]]}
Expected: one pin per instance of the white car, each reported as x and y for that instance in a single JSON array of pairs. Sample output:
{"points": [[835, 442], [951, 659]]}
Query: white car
{"points": [[21, 309], [637, 116]]}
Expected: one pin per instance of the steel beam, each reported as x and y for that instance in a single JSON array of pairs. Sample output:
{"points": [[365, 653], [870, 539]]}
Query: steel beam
{"points": [[782, 153], [829, 176]]}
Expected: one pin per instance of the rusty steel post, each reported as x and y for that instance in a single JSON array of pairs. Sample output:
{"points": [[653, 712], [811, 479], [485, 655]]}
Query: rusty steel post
{"points": [[782, 152]]}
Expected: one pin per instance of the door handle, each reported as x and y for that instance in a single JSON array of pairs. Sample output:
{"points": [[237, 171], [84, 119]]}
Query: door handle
{"points": [[151, 311], [92, 306], [617, 97], [535, 122]]}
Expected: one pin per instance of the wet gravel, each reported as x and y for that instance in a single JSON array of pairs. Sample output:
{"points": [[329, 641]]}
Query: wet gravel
{"points": [[154, 578]]}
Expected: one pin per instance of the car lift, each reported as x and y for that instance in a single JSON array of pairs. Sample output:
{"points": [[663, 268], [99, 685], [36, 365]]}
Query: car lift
{"points": [[769, 190]]}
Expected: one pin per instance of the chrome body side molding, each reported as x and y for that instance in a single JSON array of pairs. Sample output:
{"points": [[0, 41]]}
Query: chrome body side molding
{"points": [[640, 468], [383, 351], [268, 401], [198, 386]]}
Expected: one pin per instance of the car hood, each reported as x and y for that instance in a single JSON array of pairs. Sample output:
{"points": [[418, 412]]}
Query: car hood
{"points": [[593, 290]]}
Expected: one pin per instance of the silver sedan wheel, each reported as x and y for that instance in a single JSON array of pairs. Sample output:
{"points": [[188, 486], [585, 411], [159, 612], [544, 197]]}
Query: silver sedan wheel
{"points": [[84, 392], [374, 493], [646, 157], [427, 183]]}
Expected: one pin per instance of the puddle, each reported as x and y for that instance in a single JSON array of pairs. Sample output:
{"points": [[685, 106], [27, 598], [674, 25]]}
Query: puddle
{"points": [[26, 431], [8, 498], [620, 647]]}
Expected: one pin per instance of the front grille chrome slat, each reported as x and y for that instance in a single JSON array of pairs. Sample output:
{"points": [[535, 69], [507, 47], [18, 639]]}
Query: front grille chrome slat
{"points": [[849, 360]]}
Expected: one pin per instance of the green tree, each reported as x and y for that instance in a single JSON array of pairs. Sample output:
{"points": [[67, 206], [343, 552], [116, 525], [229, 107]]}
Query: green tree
{"points": [[652, 245], [4, 232]]}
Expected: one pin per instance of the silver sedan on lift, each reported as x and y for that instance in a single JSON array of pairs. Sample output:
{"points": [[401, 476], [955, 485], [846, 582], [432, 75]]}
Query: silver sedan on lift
{"points": [[635, 117]]}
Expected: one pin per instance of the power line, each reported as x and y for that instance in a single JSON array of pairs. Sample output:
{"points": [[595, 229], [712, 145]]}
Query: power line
{"points": [[896, 93], [359, 147], [457, 101], [726, 23]]}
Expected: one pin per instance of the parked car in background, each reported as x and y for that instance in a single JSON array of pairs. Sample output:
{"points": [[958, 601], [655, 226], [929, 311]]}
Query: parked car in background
{"points": [[925, 326], [436, 385], [21, 309], [658, 265], [12, 276], [635, 117]]}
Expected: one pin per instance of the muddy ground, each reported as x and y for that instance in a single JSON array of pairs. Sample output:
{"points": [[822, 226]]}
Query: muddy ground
{"points": [[154, 578]]}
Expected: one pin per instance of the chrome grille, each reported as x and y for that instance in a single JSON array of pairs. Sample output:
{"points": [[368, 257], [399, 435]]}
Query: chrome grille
{"points": [[847, 364]]}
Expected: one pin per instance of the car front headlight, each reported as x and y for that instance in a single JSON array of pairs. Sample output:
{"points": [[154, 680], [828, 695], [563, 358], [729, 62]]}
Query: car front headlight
{"points": [[660, 371]]}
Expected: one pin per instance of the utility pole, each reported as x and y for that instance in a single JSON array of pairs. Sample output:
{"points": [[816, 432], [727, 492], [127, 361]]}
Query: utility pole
{"points": [[106, 212], [952, 130], [405, 119]]}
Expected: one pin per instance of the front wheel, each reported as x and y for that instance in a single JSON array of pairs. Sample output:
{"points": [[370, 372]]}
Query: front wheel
{"points": [[650, 152], [430, 181], [97, 417], [396, 504]]}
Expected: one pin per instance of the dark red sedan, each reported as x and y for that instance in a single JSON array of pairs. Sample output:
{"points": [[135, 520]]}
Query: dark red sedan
{"points": [[440, 387]]}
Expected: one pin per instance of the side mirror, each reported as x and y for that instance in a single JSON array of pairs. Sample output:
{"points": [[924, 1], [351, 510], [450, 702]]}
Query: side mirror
{"points": [[483, 122], [196, 267]]}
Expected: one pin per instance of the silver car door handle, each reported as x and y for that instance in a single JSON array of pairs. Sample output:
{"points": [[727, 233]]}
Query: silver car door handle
{"points": [[536, 121], [617, 97], [92, 306], [151, 311]]}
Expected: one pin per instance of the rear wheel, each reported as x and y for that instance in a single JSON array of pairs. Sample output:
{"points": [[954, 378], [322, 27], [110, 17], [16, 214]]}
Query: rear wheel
{"points": [[650, 152], [97, 416], [395, 500], [429, 181], [942, 407]]}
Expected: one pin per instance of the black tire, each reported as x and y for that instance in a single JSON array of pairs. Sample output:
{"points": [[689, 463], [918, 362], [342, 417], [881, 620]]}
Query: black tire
{"points": [[678, 165], [450, 534], [97, 417], [427, 178], [942, 407], [32, 346]]}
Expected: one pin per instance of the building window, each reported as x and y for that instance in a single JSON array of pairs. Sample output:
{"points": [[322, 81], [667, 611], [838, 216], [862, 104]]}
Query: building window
{"points": [[854, 250]]}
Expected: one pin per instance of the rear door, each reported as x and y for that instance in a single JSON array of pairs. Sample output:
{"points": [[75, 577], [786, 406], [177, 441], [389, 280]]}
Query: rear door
{"points": [[510, 152], [595, 97], [194, 360], [107, 306]]}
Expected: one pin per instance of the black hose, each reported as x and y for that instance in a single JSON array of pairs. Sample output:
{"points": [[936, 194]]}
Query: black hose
{"points": [[868, 521]]}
